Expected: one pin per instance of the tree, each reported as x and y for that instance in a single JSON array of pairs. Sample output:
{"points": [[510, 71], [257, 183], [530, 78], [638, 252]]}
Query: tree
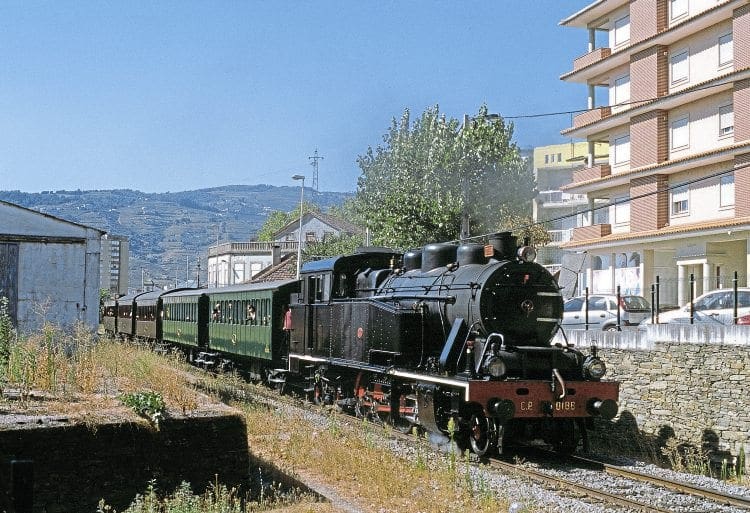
{"points": [[333, 246], [415, 188], [278, 219]]}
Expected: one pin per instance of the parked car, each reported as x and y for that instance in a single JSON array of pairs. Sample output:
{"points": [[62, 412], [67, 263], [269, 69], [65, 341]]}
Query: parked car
{"points": [[714, 307], [602, 312]]}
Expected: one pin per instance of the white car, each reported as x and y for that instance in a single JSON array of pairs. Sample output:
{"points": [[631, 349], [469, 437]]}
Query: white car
{"points": [[715, 307]]}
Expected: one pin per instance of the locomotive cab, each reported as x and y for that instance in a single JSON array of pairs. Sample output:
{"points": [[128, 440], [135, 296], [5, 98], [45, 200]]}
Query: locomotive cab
{"points": [[334, 316]]}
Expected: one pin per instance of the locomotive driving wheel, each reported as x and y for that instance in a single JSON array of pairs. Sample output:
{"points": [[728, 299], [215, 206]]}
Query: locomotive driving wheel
{"points": [[482, 434]]}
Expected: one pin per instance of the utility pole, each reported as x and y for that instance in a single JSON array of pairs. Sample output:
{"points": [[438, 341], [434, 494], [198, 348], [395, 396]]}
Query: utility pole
{"points": [[315, 157]]}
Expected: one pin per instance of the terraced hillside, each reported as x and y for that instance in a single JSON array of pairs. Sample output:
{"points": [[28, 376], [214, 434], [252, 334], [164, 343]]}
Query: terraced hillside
{"points": [[169, 232]]}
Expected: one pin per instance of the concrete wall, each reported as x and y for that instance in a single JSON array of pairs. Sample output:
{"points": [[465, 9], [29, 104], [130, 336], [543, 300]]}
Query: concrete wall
{"points": [[689, 382], [75, 466]]}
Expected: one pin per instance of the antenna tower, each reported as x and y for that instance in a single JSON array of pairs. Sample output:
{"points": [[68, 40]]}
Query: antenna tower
{"points": [[315, 158]]}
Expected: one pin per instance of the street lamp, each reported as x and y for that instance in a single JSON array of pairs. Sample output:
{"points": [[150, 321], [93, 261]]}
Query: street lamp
{"points": [[299, 241]]}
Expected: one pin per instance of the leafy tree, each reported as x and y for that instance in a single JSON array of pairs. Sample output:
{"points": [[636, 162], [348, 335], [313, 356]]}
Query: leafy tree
{"points": [[278, 219], [415, 188], [333, 246]]}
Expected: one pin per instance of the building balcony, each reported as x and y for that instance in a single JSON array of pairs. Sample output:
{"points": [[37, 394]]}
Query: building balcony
{"points": [[595, 231], [590, 58], [249, 248], [591, 173], [591, 116], [552, 199], [560, 236]]}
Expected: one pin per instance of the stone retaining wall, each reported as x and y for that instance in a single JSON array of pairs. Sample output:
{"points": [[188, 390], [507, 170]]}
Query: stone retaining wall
{"points": [[691, 383], [74, 466]]}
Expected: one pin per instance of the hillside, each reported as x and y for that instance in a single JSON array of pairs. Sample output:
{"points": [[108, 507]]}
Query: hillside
{"points": [[170, 231]]}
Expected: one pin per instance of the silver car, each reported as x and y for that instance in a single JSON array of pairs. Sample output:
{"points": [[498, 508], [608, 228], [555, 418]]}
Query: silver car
{"points": [[715, 307], [602, 312]]}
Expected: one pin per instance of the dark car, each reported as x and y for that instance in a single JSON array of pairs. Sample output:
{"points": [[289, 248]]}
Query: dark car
{"points": [[602, 311]]}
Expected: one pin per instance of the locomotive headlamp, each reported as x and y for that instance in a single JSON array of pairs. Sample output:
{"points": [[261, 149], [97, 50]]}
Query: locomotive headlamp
{"points": [[495, 367], [594, 368], [527, 253]]}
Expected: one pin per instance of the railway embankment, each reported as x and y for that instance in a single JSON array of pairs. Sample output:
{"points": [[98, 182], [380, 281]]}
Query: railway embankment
{"points": [[684, 386]]}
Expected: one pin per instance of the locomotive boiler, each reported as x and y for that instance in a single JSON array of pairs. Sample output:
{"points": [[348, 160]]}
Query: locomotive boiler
{"points": [[450, 338]]}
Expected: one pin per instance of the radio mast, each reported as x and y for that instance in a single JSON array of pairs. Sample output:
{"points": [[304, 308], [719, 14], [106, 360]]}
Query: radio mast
{"points": [[315, 157]]}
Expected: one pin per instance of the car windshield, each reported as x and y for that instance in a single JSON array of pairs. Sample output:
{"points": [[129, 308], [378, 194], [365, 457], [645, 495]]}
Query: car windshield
{"points": [[635, 303]]}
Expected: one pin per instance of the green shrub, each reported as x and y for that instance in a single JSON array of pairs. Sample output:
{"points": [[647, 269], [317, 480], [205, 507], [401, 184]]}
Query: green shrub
{"points": [[147, 404]]}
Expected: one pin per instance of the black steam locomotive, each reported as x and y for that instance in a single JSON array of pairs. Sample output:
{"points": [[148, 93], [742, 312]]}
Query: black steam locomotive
{"points": [[452, 339]]}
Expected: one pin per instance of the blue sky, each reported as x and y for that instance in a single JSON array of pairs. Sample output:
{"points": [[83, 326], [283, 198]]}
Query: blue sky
{"points": [[179, 95]]}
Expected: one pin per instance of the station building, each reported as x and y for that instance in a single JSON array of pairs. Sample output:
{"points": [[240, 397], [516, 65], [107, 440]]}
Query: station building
{"points": [[673, 78], [49, 269]]}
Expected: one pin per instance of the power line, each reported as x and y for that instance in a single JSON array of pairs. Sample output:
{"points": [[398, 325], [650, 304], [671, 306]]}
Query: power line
{"points": [[613, 203], [578, 111]]}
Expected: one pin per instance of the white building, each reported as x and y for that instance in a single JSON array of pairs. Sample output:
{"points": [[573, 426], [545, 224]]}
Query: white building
{"points": [[49, 269], [237, 262], [675, 78]]}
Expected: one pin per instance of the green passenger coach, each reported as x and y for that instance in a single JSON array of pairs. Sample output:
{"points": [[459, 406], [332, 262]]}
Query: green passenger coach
{"points": [[182, 313], [246, 321]]}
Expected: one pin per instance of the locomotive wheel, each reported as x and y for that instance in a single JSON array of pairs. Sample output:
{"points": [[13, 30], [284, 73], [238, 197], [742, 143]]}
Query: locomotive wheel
{"points": [[481, 434]]}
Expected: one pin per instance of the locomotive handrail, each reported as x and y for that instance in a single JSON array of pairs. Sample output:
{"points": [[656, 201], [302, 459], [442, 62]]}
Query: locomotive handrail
{"points": [[445, 299]]}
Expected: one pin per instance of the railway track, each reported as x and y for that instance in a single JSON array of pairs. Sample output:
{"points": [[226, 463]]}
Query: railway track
{"points": [[648, 493], [678, 486], [654, 493]]}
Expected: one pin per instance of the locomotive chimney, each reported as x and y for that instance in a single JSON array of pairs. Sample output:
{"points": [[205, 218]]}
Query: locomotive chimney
{"points": [[504, 244]]}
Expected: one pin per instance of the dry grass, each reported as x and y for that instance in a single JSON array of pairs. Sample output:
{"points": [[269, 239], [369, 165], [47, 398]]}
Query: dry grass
{"points": [[348, 458], [73, 374]]}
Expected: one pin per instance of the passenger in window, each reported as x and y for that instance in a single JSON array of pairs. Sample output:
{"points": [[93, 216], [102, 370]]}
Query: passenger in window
{"points": [[217, 313], [250, 317]]}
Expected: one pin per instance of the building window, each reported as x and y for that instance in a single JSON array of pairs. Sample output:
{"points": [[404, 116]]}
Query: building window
{"points": [[622, 149], [680, 133], [559, 157], [678, 8], [726, 120], [726, 50], [310, 237], [622, 210], [680, 200], [622, 30], [679, 67], [622, 89], [546, 159], [726, 191]]}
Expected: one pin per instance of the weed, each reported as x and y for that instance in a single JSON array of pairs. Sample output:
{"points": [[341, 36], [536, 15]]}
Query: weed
{"points": [[147, 404]]}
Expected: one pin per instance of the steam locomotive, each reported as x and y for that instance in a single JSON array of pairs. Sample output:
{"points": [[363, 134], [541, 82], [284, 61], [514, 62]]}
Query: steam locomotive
{"points": [[451, 339]]}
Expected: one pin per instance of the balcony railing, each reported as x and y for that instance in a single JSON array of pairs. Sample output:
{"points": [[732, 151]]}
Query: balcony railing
{"points": [[559, 236], [591, 232], [590, 58], [591, 173], [591, 116], [251, 247], [550, 198]]}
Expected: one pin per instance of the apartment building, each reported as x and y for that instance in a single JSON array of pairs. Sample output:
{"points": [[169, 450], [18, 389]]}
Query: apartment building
{"points": [[553, 168], [669, 90], [114, 264]]}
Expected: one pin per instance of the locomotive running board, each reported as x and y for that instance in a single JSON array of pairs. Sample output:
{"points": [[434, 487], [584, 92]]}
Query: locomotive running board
{"points": [[423, 378]]}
